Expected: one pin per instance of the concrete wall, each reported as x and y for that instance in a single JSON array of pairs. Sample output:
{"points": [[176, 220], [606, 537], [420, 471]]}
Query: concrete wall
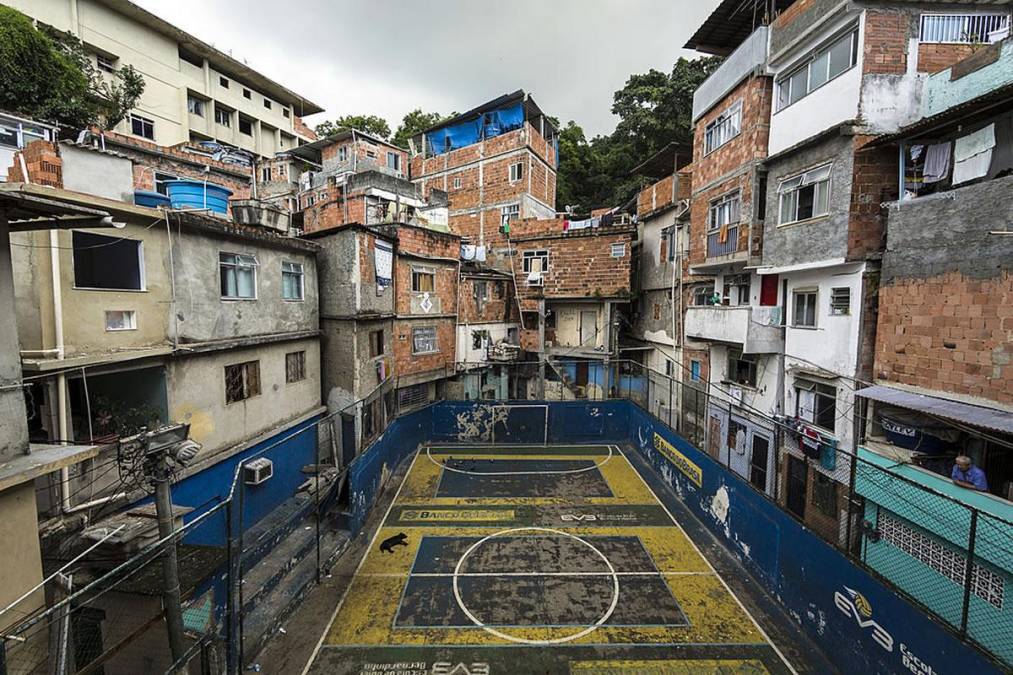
{"points": [[347, 272], [13, 428], [823, 238], [207, 316], [497, 333], [568, 323], [97, 174], [197, 393], [349, 371], [21, 557]]}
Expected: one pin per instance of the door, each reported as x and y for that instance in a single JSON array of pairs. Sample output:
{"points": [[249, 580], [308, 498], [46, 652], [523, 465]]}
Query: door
{"points": [[581, 374], [588, 328], [758, 461], [347, 439], [768, 290], [714, 437], [797, 472]]}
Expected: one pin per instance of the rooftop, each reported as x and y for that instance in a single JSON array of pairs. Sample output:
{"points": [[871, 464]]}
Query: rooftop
{"points": [[731, 23]]}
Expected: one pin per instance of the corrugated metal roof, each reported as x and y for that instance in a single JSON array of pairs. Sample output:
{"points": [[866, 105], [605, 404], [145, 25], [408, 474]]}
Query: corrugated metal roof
{"points": [[978, 416]]}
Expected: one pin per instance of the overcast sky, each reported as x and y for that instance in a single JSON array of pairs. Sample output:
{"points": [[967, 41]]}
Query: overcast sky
{"points": [[387, 57]]}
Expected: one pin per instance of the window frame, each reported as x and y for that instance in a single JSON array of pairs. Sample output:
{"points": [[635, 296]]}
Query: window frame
{"points": [[622, 249], [801, 180], [730, 118], [247, 381], [249, 121], [298, 271], [984, 16], [376, 343], [457, 182], [435, 344], [795, 294], [299, 367], [418, 272], [516, 172], [821, 390], [743, 358], [132, 323], [223, 114], [105, 63], [238, 264], [528, 256], [724, 204], [395, 158], [509, 213], [805, 64], [195, 105], [144, 123], [223, 82], [837, 307]]}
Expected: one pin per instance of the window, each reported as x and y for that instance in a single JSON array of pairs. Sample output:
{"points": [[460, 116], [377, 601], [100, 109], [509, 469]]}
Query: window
{"points": [[669, 368], [265, 174], [111, 263], [245, 126], [195, 106], [106, 63], [656, 311], [393, 161], [238, 276], [819, 68], [295, 367], [741, 367], [694, 371], [480, 290], [343, 153], [479, 339], [964, 28], [702, 296], [291, 281], [723, 128], [223, 82], [736, 290], [223, 117], [142, 126], [118, 319], [840, 301], [528, 261], [516, 171], [816, 403], [723, 216], [952, 564], [824, 494], [160, 182], [286, 112], [619, 250], [242, 381], [424, 340], [758, 462], [457, 182], [375, 342], [804, 196], [804, 309], [247, 94], [423, 280], [267, 103], [508, 213], [191, 58]]}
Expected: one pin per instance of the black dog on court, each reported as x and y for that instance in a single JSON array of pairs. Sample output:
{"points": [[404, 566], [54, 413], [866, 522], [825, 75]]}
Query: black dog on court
{"points": [[388, 544]]}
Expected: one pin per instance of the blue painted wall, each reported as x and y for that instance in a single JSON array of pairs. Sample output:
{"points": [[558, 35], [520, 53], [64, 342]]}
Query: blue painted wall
{"points": [[862, 625]]}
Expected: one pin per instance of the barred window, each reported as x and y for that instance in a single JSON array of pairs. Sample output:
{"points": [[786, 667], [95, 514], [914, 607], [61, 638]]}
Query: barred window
{"points": [[948, 562], [724, 128], [964, 28], [417, 394], [242, 381], [295, 367], [424, 340]]}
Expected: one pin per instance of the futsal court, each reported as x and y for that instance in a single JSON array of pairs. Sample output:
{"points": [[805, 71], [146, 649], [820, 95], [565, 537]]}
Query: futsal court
{"points": [[536, 559]]}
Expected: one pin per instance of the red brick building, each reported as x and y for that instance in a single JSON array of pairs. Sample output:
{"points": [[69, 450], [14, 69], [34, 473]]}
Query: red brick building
{"points": [[497, 163]]}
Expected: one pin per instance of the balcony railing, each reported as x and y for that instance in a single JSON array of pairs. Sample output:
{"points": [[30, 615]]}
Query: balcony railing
{"points": [[715, 245]]}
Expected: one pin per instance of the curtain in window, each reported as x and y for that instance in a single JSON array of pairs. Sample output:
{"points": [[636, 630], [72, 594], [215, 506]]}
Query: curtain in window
{"points": [[972, 154]]}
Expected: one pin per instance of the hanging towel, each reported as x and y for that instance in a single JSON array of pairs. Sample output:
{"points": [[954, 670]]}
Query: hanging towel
{"points": [[937, 162], [723, 234], [972, 154], [382, 259], [480, 253], [914, 168], [467, 252]]}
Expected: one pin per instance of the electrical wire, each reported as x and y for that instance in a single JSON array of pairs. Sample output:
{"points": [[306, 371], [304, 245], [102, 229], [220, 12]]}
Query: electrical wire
{"points": [[115, 240]]}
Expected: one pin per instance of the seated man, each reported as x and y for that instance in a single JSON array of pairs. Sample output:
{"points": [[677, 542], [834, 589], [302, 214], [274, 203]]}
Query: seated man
{"points": [[967, 475]]}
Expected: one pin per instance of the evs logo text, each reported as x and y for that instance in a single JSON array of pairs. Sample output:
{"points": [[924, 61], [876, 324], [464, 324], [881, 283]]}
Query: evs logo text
{"points": [[857, 606]]}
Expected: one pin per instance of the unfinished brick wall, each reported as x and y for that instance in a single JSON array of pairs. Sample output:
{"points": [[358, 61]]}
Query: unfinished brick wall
{"points": [[874, 182], [699, 216], [950, 333], [423, 241], [406, 362], [330, 209], [934, 57], [885, 42], [302, 129], [444, 297], [755, 94], [580, 264], [42, 159], [499, 304]]}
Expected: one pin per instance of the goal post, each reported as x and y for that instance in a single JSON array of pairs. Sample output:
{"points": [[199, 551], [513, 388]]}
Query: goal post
{"points": [[520, 423]]}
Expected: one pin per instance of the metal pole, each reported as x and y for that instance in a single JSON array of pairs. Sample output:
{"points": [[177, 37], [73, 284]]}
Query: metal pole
{"points": [[851, 506], [968, 571], [670, 402], [316, 503], [239, 571], [170, 579], [231, 633]]}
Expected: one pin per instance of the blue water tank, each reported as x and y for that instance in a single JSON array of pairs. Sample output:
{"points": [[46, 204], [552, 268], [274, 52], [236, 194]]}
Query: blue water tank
{"points": [[195, 194], [150, 199]]}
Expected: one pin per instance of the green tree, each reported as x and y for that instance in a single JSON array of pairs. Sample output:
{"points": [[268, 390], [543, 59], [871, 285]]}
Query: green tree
{"points": [[48, 76], [370, 124], [413, 124]]}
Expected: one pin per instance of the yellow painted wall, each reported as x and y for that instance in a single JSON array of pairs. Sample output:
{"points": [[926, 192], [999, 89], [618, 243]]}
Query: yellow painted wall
{"points": [[20, 556]]}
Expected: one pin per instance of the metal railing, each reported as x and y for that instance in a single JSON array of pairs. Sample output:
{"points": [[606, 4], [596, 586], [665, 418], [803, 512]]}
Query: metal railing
{"points": [[716, 247]]}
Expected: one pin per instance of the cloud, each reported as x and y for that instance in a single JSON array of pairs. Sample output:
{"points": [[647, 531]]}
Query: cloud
{"points": [[387, 57]]}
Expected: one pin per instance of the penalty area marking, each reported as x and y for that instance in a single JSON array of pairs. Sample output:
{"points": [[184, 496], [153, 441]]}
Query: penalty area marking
{"points": [[513, 638], [443, 465]]}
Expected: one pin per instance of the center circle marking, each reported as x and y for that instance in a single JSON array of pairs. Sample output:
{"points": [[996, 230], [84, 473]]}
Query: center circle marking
{"points": [[513, 638], [443, 465]]}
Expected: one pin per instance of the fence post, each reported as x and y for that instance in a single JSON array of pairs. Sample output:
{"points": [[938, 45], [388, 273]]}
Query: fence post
{"points": [[231, 631], [671, 403], [968, 571], [728, 456], [851, 505]]}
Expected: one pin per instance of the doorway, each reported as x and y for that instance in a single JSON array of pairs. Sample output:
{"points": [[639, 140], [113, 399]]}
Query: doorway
{"points": [[797, 473], [588, 328]]}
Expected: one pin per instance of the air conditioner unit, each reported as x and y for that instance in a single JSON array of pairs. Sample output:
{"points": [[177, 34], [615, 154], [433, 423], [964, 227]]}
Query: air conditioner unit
{"points": [[258, 471], [536, 279]]}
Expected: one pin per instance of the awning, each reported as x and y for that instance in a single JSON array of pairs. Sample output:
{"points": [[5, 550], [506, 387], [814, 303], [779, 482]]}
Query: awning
{"points": [[978, 416]]}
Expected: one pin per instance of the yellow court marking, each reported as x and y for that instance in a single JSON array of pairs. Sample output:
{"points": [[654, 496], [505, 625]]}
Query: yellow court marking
{"points": [[369, 610]]}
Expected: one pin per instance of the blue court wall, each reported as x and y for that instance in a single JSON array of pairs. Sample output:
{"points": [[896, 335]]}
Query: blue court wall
{"points": [[861, 625]]}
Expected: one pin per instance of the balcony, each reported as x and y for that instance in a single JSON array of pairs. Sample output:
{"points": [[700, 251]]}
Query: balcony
{"points": [[756, 329], [750, 56], [716, 247]]}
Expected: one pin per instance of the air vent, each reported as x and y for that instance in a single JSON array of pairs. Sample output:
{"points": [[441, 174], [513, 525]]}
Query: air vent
{"points": [[258, 471]]}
